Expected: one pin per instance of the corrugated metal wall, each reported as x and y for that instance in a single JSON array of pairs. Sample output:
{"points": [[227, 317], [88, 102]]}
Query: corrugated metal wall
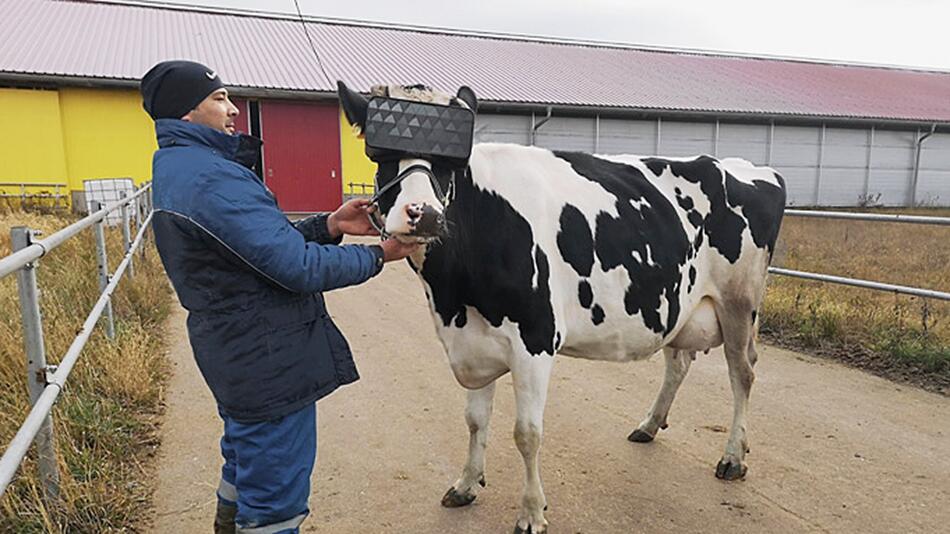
{"points": [[31, 137], [358, 170], [107, 134], [823, 165], [70, 135]]}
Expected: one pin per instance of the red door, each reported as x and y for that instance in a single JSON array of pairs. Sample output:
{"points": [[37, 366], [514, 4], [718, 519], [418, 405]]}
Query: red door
{"points": [[302, 154]]}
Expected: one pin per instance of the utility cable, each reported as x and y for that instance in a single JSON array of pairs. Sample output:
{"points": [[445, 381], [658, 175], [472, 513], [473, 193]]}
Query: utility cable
{"points": [[306, 32]]}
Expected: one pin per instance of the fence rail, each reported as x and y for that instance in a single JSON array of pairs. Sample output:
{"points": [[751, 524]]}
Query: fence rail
{"points": [[24, 194], [874, 217], [40, 248], [46, 382], [857, 282]]}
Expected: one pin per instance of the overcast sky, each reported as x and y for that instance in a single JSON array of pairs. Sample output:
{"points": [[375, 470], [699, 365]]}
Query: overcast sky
{"points": [[891, 32]]}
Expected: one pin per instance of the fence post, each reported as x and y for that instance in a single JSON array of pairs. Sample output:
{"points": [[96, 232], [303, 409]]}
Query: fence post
{"points": [[127, 234], [146, 209], [137, 212], [141, 214], [103, 268], [22, 237]]}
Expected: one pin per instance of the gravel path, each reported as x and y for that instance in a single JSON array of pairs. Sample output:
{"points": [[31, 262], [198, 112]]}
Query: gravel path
{"points": [[832, 449]]}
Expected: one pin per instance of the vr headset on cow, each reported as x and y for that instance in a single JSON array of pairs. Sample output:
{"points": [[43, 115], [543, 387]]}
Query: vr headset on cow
{"points": [[395, 129]]}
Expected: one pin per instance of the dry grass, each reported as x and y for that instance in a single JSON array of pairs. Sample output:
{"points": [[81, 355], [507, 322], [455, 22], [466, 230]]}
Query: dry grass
{"points": [[892, 335], [105, 421]]}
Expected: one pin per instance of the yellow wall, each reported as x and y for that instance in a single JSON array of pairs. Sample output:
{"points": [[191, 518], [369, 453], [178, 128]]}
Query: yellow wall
{"points": [[31, 138], [357, 168], [107, 135]]}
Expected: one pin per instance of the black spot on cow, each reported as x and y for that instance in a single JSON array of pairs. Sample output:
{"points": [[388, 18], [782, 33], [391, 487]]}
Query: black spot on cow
{"points": [[695, 218], [692, 277], [557, 340], [597, 314], [461, 319], [585, 294], [762, 204], [685, 202], [722, 226], [575, 242], [492, 264], [654, 233], [656, 165]]}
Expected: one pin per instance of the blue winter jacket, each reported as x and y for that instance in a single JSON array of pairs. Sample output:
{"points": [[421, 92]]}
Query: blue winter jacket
{"points": [[250, 279]]}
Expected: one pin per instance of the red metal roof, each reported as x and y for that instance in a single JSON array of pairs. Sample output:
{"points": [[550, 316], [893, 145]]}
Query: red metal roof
{"points": [[100, 40]]}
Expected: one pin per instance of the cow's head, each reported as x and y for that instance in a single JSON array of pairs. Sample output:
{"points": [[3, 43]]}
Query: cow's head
{"points": [[413, 187]]}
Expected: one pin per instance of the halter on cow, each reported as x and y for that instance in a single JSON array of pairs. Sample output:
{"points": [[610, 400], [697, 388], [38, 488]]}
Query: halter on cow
{"points": [[537, 253]]}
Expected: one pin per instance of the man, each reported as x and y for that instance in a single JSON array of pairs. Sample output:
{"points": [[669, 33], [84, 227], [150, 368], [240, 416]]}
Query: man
{"points": [[252, 283]]}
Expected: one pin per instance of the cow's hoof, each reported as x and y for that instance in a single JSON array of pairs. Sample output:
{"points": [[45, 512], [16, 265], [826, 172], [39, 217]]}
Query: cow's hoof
{"points": [[639, 436], [529, 530], [454, 499], [730, 470]]}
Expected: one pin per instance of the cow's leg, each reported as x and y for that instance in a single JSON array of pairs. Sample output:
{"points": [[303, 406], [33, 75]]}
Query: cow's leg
{"points": [[737, 331], [477, 414], [753, 354], [677, 364], [531, 375]]}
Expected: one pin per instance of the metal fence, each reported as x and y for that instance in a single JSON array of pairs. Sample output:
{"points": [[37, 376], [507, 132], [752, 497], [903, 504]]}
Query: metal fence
{"points": [[360, 189], [868, 284], [47, 381], [26, 192]]}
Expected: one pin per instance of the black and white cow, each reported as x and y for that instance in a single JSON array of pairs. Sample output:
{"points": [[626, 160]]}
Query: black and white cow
{"points": [[599, 257]]}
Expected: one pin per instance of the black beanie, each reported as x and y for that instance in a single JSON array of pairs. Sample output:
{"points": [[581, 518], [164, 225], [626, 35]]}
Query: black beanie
{"points": [[173, 88]]}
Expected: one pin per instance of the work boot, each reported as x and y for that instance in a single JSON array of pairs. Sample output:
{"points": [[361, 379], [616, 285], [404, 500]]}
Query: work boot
{"points": [[224, 519]]}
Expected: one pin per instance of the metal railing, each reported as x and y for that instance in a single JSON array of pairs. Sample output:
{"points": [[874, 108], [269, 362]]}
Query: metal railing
{"points": [[856, 282], [46, 381], [25, 193], [363, 188], [874, 217]]}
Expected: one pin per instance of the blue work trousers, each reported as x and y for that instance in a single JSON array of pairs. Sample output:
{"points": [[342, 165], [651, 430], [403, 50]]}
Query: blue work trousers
{"points": [[266, 471]]}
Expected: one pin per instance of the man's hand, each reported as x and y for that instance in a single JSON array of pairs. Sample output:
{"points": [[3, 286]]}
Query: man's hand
{"points": [[393, 249], [352, 218]]}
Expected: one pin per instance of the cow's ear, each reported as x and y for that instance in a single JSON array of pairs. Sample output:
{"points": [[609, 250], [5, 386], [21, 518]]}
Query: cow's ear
{"points": [[466, 95], [354, 106]]}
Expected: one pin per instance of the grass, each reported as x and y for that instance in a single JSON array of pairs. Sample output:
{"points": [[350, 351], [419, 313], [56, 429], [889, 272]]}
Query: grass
{"points": [[895, 335], [106, 419]]}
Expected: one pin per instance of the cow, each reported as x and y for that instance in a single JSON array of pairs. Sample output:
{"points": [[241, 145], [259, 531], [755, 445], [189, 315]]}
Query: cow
{"points": [[538, 252]]}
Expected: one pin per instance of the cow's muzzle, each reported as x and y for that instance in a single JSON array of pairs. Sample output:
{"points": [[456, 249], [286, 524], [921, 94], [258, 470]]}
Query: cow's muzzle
{"points": [[425, 221]]}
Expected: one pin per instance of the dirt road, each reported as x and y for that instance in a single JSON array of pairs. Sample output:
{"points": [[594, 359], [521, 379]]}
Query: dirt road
{"points": [[832, 449]]}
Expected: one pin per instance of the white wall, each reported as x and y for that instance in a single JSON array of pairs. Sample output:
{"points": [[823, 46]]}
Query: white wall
{"points": [[835, 167]]}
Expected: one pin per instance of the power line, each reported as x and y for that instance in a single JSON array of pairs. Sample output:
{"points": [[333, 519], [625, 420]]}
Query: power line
{"points": [[306, 32]]}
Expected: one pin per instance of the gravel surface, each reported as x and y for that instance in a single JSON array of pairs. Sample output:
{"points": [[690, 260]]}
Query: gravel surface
{"points": [[833, 449]]}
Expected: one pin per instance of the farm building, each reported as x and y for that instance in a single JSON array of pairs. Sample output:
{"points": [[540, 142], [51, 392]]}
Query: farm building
{"points": [[842, 135]]}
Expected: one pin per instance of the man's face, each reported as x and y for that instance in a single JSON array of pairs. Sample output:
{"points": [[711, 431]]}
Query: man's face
{"points": [[215, 111]]}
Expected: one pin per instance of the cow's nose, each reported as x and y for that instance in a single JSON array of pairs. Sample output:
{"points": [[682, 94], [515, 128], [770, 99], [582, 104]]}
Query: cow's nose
{"points": [[427, 220]]}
